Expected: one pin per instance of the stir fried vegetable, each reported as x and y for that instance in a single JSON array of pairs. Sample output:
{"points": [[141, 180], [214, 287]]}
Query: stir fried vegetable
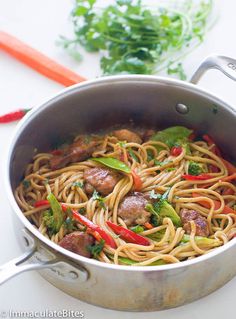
{"points": [[97, 248], [204, 241], [195, 169], [54, 218], [173, 136], [112, 163], [86, 222], [128, 234]]}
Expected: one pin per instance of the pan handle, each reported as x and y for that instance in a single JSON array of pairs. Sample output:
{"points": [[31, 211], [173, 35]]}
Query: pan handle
{"points": [[16, 266], [38, 257], [224, 64]]}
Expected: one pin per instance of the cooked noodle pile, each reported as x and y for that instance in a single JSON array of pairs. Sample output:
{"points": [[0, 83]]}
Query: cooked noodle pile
{"points": [[160, 172]]}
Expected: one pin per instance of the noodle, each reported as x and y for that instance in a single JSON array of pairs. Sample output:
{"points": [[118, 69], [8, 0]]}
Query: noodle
{"points": [[161, 173]]}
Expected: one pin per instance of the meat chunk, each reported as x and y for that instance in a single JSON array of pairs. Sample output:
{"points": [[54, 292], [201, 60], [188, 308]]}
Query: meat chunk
{"points": [[188, 215], [132, 209], [80, 150], [103, 180], [127, 135], [78, 243], [147, 135]]}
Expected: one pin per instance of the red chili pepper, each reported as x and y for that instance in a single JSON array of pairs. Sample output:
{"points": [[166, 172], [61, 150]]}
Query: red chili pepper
{"points": [[128, 235], [86, 222], [201, 177], [42, 202], [13, 116], [137, 181], [210, 142], [176, 150]]}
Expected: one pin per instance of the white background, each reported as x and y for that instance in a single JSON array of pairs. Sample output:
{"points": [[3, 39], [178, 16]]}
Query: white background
{"points": [[39, 22]]}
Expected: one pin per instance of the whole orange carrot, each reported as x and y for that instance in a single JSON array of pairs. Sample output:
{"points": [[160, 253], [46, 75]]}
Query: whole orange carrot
{"points": [[38, 61]]}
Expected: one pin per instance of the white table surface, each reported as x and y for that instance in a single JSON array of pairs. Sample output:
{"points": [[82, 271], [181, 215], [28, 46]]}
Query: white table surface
{"points": [[39, 22]]}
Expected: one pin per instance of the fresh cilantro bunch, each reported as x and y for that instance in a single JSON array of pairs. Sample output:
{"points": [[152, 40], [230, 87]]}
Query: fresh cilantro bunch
{"points": [[134, 38]]}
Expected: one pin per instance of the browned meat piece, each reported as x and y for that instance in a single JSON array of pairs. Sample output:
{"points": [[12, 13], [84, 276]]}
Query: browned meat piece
{"points": [[103, 180], [78, 243], [147, 135], [188, 215], [132, 209], [80, 150], [128, 136]]}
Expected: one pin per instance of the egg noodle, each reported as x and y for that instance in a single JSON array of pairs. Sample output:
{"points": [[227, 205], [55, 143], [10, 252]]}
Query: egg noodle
{"points": [[158, 174]]}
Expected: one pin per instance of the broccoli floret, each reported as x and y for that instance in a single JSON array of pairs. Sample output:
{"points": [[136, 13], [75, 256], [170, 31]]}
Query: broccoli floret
{"points": [[195, 168], [49, 222]]}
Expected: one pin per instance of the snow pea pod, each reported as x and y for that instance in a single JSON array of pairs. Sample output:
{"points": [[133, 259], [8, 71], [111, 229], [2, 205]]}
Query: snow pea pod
{"points": [[113, 163]]}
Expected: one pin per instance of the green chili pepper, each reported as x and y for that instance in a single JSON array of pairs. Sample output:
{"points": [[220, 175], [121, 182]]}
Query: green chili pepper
{"points": [[112, 163]]}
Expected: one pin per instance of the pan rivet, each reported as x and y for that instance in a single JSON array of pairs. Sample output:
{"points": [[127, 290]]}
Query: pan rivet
{"points": [[26, 241], [181, 108], [73, 275]]}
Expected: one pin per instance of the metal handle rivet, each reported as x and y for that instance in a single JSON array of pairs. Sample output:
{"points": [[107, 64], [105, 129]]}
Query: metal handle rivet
{"points": [[26, 241], [73, 275], [182, 108]]}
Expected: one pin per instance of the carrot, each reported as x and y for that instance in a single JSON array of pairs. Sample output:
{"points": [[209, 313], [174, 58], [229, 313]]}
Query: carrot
{"points": [[137, 181], [38, 61], [95, 234], [229, 178], [217, 204], [148, 225]]}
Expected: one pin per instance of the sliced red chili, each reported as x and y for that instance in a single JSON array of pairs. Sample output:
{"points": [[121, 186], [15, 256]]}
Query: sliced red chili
{"points": [[86, 222], [176, 150], [39, 203], [128, 235], [200, 177]]}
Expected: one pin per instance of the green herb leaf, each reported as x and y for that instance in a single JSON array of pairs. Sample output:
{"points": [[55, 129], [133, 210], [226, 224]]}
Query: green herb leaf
{"points": [[112, 163], [78, 184], [99, 198], [133, 38], [70, 224], [97, 248], [154, 195], [26, 183], [178, 70]]}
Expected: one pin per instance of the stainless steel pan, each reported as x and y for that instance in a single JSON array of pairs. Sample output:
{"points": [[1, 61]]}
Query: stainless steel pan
{"points": [[99, 105]]}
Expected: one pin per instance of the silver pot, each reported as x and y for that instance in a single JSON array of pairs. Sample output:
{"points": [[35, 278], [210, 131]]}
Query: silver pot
{"points": [[99, 105]]}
